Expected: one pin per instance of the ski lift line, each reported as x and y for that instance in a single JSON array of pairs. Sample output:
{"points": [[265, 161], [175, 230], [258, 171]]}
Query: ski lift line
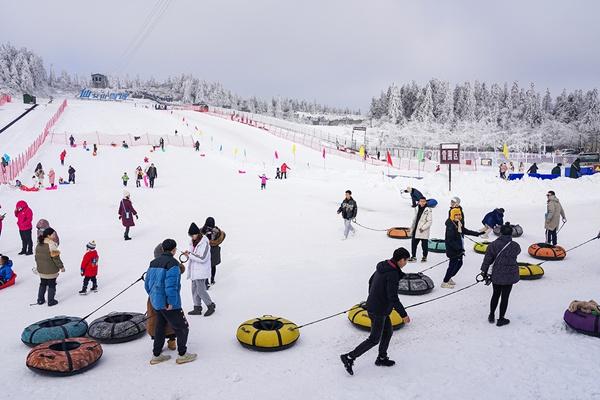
{"points": [[143, 27]]}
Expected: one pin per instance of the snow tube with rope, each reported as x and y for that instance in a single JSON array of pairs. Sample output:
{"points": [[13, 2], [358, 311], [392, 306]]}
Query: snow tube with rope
{"points": [[268, 333], [436, 245], [64, 357], [9, 282], [517, 230], [118, 327], [588, 324], [60, 327], [399, 233], [415, 284], [359, 317], [529, 271], [481, 247], [547, 252]]}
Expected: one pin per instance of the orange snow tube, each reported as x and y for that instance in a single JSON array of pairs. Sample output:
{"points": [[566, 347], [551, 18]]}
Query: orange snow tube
{"points": [[399, 233], [548, 252]]}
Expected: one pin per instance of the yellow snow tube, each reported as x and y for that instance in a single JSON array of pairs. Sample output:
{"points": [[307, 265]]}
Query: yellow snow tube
{"points": [[360, 318], [481, 247], [530, 271], [268, 333]]}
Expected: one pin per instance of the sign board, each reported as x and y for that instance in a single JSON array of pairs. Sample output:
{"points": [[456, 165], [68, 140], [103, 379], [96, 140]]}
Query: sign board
{"points": [[450, 153], [486, 162], [100, 95], [359, 128]]}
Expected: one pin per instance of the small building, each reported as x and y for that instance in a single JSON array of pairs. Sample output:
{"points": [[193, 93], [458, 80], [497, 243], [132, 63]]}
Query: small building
{"points": [[99, 81]]}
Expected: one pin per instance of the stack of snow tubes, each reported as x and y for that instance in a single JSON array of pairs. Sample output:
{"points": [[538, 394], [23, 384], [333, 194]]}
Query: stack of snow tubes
{"points": [[60, 327]]}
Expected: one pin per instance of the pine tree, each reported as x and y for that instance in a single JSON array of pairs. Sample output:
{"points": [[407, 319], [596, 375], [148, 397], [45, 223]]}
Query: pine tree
{"points": [[424, 111], [395, 112]]}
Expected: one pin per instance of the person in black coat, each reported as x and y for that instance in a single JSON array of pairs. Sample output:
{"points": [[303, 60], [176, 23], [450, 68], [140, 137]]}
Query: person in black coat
{"points": [[556, 170], [197, 146], [533, 169], [575, 169], [383, 298], [415, 195], [348, 209], [152, 174], [71, 174], [454, 245]]}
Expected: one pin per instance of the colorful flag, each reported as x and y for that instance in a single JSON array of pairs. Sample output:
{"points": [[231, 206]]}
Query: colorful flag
{"points": [[389, 158], [276, 155], [294, 148], [323, 152], [505, 151], [361, 151], [235, 151]]}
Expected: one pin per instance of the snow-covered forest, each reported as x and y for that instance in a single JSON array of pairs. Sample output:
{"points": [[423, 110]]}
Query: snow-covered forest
{"points": [[483, 116]]}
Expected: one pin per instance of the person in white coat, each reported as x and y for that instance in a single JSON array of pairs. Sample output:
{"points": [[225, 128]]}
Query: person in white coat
{"points": [[419, 230], [199, 271]]}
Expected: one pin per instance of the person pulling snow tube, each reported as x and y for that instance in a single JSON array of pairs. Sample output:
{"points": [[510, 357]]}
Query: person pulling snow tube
{"points": [[431, 203], [547, 252], [415, 284], [399, 233], [588, 324], [517, 230], [436, 245], [359, 317], [64, 357], [118, 327], [60, 327], [481, 247], [529, 271], [268, 333], [9, 282]]}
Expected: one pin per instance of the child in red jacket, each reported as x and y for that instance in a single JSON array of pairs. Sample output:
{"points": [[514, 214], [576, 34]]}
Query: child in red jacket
{"points": [[89, 268]]}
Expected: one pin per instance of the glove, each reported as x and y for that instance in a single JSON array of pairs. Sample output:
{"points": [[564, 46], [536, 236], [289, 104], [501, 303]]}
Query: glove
{"points": [[598, 237], [484, 275], [137, 216], [564, 220]]}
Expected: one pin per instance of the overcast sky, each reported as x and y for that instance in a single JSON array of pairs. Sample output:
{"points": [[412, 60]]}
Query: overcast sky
{"points": [[338, 52]]}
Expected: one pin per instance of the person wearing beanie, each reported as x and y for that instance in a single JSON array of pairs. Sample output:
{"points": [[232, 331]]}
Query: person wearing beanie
{"points": [[89, 268], [382, 299], [415, 195], [501, 256], [163, 285], [455, 203], [215, 238], [491, 220], [199, 271], [42, 225], [24, 216], [419, 230], [455, 230], [348, 209], [48, 266], [126, 213]]}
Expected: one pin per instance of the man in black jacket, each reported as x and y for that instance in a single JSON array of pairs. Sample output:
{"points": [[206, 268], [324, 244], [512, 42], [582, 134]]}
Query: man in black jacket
{"points": [[348, 209], [383, 298], [152, 174], [415, 195]]}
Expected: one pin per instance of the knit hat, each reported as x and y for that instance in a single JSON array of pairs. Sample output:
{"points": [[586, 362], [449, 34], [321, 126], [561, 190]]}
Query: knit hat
{"points": [[454, 212], [91, 245], [500, 210], [400, 253], [506, 229], [125, 194], [210, 222], [169, 245], [193, 230], [455, 200]]}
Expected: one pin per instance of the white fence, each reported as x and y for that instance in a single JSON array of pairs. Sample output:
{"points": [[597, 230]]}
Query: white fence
{"points": [[109, 139]]}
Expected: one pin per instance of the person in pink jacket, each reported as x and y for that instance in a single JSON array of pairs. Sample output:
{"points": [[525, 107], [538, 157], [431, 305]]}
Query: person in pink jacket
{"points": [[24, 219], [263, 181], [51, 177]]}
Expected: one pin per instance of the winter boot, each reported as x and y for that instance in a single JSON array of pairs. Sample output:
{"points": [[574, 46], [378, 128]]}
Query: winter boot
{"points": [[211, 310], [83, 291], [502, 321], [171, 344], [424, 259], [384, 362], [450, 281], [186, 358], [348, 363], [52, 302], [158, 359], [51, 294], [447, 285], [491, 318], [94, 289], [41, 295], [21, 252], [196, 311], [127, 238], [412, 259]]}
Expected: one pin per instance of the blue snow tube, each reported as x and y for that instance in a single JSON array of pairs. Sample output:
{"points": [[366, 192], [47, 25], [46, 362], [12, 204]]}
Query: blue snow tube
{"points": [[60, 327], [431, 203]]}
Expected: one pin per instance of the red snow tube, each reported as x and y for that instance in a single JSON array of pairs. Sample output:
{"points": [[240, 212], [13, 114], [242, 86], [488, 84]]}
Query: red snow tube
{"points": [[29, 189], [9, 282]]}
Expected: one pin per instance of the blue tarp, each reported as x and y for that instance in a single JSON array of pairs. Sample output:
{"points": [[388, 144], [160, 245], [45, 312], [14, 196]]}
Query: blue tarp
{"points": [[513, 177]]}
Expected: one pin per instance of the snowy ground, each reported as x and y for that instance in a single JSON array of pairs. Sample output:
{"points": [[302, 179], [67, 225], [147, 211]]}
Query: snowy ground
{"points": [[284, 256]]}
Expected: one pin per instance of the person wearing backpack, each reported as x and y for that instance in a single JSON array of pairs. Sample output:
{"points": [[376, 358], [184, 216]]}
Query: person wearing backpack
{"points": [[126, 213]]}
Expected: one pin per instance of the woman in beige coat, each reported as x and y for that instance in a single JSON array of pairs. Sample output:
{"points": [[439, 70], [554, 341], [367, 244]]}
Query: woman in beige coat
{"points": [[419, 229], [48, 265], [554, 212]]}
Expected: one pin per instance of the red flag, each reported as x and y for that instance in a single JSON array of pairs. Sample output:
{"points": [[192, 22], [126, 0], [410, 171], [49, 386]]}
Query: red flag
{"points": [[389, 158], [323, 152], [276, 155]]}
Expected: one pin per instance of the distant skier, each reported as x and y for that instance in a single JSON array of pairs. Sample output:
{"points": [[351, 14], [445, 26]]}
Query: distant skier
{"points": [[89, 268], [125, 178], [125, 145], [455, 250], [556, 170], [197, 145], [284, 169], [415, 195], [575, 170], [277, 173], [24, 216], [63, 154], [71, 174], [126, 214], [419, 230], [52, 177], [491, 220], [72, 141], [502, 169], [161, 143], [502, 254], [139, 175], [263, 181], [152, 174], [511, 166], [554, 212], [95, 149], [533, 169], [382, 299], [348, 209]]}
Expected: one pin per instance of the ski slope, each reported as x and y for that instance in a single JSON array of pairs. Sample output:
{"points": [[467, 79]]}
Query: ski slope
{"points": [[284, 256]]}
